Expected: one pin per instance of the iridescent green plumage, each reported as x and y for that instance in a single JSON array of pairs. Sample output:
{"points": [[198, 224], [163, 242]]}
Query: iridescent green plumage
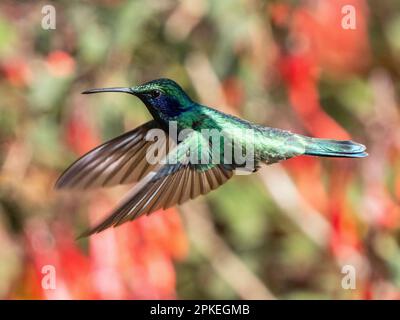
{"points": [[180, 175]]}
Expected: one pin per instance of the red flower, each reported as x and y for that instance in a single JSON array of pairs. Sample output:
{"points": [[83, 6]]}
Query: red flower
{"points": [[16, 71], [60, 64]]}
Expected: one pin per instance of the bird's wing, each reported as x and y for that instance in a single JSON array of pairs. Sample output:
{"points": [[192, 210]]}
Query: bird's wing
{"points": [[169, 184], [118, 161]]}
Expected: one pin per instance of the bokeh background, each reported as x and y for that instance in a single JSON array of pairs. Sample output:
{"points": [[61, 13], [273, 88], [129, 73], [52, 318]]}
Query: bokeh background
{"points": [[283, 233]]}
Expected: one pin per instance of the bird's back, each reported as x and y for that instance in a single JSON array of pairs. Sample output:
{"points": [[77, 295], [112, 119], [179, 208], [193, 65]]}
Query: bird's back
{"points": [[269, 144]]}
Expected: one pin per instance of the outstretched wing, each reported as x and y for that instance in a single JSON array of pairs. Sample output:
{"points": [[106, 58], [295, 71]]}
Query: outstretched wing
{"points": [[174, 182], [118, 161]]}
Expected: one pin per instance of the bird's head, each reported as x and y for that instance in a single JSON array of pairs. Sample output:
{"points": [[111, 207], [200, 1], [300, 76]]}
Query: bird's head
{"points": [[164, 98]]}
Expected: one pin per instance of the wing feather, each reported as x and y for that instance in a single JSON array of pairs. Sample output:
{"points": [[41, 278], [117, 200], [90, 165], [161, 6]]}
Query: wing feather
{"points": [[120, 160], [165, 186]]}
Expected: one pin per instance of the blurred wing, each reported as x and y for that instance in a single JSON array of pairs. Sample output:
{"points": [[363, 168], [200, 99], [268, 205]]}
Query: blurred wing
{"points": [[166, 186], [118, 161]]}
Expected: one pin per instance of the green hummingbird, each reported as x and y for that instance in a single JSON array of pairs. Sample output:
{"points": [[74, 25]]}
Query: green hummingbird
{"points": [[179, 176]]}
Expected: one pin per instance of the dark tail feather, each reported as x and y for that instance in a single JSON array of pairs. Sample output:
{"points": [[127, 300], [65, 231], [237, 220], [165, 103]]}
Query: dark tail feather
{"points": [[335, 148]]}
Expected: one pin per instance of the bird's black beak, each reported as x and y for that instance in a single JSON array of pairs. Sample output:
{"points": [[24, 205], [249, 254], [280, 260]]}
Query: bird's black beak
{"points": [[116, 89]]}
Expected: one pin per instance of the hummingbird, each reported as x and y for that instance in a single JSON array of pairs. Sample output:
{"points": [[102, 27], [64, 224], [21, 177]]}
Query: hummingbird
{"points": [[178, 177]]}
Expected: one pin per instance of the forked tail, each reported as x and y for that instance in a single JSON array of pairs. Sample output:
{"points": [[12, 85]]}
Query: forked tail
{"points": [[334, 148]]}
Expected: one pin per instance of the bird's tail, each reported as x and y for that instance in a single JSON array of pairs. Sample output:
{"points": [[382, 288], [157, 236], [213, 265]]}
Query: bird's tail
{"points": [[334, 148]]}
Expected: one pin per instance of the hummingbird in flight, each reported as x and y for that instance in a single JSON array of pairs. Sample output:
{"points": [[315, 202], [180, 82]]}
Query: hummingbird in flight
{"points": [[178, 178]]}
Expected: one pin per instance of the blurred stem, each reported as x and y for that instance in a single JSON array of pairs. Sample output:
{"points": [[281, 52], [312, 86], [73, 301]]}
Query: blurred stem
{"points": [[225, 262], [286, 195]]}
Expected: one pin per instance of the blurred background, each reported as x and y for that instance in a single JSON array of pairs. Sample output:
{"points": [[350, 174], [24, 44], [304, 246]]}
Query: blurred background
{"points": [[287, 232]]}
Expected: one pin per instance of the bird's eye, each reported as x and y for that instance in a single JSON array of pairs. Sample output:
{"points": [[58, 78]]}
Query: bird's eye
{"points": [[155, 93]]}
